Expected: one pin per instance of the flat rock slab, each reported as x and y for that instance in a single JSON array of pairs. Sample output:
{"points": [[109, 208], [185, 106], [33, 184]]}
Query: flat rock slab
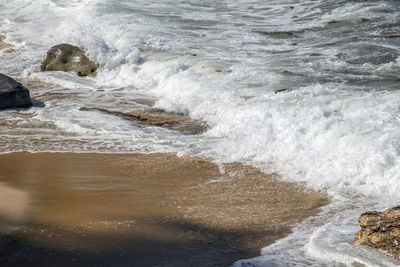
{"points": [[13, 94], [160, 118]]}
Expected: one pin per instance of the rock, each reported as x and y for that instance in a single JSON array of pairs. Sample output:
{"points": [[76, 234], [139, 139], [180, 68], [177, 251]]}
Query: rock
{"points": [[159, 118], [66, 57], [13, 94], [277, 34], [380, 230], [281, 90], [371, 220], [333, 21]]}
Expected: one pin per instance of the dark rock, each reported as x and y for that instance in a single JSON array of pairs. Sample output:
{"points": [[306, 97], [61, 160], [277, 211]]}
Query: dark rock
{"points": [[281, 90], [277, 34], [380, 230], [66, 57], [333, 21], [392, 36], [13, 94], [226, 71], [38, 103]]}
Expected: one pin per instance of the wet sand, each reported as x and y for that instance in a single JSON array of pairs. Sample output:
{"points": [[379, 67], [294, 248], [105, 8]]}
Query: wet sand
{"points": [[140, 210]]}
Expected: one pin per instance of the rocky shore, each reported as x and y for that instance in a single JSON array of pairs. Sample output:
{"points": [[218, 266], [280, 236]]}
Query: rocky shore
{"points": [[70, 209]]}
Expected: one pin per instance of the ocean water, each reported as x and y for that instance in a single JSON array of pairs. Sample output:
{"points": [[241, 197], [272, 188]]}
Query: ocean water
{"points": [[334, 125]]}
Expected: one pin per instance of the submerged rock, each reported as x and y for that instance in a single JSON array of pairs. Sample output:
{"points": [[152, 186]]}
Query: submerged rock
{"points": [[281, 90], [66, 57], [160, 118], [380, 230], [13, 94]]}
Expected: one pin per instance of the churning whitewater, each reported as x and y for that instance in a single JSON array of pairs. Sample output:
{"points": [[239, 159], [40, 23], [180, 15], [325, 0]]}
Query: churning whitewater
{"points": [[307, 89]]}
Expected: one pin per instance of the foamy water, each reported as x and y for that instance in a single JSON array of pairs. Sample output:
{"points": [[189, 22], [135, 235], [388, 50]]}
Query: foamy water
{"points": [[334, 126]]}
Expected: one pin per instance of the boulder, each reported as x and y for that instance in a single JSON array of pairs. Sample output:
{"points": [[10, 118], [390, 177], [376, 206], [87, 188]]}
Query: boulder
{"points": [[13, 94], [380, 230], [66, 57]]}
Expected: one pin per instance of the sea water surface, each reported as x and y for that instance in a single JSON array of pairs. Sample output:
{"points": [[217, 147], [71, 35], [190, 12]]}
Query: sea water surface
{"points": [[309, 89]]}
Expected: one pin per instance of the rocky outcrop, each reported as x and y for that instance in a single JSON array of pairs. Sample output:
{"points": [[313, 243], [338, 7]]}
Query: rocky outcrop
{"points": [[13, 94], [66, 57], [380, 230]]}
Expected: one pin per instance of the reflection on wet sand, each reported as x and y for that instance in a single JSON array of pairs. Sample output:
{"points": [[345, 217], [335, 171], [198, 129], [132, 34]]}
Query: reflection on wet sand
{"points": [[145, 210], [14, 207]]}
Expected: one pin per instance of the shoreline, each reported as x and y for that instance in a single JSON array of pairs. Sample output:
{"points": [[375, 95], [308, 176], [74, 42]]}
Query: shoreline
{"points": [[141, 209]]}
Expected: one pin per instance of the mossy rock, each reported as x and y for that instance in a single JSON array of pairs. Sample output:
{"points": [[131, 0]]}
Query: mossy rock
{"points": [[66, 57]]}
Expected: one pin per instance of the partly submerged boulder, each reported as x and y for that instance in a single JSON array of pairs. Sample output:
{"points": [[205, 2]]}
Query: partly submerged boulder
{"points": [[159, 118], [380, 230], [66, 57], [13, 94]]}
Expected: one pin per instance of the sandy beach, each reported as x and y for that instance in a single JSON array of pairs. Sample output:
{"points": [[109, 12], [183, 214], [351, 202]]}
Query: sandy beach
{"points": [[140, 210]]}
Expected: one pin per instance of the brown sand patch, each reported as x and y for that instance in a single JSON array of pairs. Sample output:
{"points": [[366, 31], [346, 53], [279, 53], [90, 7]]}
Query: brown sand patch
{"points": [[146, 210], [243, 196]]}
